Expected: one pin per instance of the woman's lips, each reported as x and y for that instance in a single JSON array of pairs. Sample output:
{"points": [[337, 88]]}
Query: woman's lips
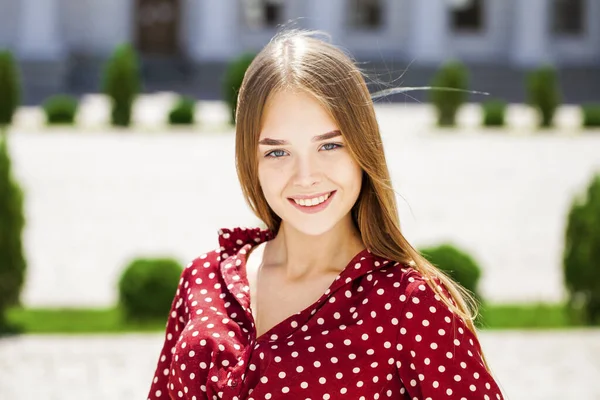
{"points": [[316, 208], [300, 196]]}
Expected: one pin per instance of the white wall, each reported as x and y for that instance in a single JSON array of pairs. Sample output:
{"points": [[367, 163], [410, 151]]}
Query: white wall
{"points": [[428, 31], [391, 41], [388, 42], [492, 42], [96, 27], [9, 17], [214, 31], [581, 49], [299, 12], [187, 27]]}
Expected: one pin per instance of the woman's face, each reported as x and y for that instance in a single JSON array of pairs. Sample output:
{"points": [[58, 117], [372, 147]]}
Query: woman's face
{"points": [[306, 172]]}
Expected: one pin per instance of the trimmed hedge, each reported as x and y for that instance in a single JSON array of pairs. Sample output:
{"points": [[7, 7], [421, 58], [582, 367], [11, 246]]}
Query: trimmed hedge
{"points": [[183, 112], [581, 254], [452, 74], [147, 288], [232, 81], [544, 94], [457, 264], [61, 109], [122, 83], [494, 112], [591, 115], [10, 87], [13, 264]]}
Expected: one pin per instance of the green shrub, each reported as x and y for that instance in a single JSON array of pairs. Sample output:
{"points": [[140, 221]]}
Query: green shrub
{"points": [[457, 264], [147, 287], [183, 112], [10, 87], [582, 252], [61, 109], [543, 93], [591, 115], [234, 75], [122, 83], [12, 221], [494, 112], [452, 74]]}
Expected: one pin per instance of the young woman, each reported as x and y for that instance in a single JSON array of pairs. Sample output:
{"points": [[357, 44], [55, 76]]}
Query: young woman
{"points": [[329, 301]]}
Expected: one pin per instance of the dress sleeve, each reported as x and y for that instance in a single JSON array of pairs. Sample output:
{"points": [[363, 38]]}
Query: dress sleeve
{"points": [[437, 354], [176, 321]]}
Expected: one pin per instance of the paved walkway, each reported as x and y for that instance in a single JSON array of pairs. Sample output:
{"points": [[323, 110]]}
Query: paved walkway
{"points": [[528, 365]]}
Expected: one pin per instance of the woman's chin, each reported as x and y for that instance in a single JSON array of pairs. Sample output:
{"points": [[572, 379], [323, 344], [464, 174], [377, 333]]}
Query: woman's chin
{"points": [[312, 225], [313, 229]]}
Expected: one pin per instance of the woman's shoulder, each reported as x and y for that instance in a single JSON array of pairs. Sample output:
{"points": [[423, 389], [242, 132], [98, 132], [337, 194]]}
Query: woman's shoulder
{"points": [[406, 281], [231, 241], [402, 276]]}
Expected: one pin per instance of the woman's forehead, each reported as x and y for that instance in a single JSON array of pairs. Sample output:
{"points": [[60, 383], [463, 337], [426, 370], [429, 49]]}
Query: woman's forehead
{"points": [[296, 112]]}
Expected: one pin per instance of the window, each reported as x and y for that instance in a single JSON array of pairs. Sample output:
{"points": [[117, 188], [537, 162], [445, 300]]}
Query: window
{"points": [[263, 13], [365, 14], [567, 17], [467, 15]]}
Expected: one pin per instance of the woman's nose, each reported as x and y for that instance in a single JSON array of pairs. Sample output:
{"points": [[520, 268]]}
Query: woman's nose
{"points": [[307, 172]]}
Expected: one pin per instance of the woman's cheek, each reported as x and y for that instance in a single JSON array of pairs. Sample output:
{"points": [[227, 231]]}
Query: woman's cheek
{"points": [[271, 175], [344, 163]]}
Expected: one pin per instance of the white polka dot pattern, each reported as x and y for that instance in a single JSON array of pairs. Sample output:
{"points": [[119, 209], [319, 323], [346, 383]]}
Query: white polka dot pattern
{"points": [[379, 331], [437, 354]]}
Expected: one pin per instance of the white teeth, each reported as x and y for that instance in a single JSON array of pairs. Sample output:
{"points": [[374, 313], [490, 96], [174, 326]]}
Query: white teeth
{"points": [[312, 202]]}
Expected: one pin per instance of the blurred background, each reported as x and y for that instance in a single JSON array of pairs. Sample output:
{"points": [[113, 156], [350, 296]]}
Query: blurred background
{"points": [[185, 45], [117, 169]]}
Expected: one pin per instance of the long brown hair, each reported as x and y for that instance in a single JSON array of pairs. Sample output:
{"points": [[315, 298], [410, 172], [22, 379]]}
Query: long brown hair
{"points": [[297, 60]]}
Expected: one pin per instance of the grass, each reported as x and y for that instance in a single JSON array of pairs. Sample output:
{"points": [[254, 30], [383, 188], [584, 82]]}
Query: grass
{"points": [[109, 320], [525, 316], [77, 321]]}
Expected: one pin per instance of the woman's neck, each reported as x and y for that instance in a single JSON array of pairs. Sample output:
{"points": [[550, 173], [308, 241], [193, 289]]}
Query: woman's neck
{"points": [[303, 257]]}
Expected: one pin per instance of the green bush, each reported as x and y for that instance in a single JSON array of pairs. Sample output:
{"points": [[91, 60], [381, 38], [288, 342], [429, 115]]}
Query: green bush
{"points": [[147, 287], [234, 75], [12, 221], [183, 112], [122, 83], [10, 87], [457, 264], [452, 74], [591, 115], [582, 252], [61, 109], [494, 112], [543, 93]]}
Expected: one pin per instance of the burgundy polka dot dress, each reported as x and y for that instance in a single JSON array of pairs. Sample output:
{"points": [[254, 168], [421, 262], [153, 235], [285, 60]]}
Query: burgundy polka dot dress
{"points": [[378, 332]]}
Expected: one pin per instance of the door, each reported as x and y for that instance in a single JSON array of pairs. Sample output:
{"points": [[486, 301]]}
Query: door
{"points": [[158, 26]]}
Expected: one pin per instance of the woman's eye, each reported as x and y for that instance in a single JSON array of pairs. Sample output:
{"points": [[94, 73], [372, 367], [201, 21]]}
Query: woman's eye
{"points": [[276, 153], [281, 153], [331, 146]]}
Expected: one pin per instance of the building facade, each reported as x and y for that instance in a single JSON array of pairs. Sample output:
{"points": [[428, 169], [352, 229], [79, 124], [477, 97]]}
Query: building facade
{"points": [[513, 33], [518, 32]]}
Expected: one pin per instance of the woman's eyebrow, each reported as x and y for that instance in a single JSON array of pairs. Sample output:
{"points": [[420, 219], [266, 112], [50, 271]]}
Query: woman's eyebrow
{"points": [[318, 138], [327, 136]]}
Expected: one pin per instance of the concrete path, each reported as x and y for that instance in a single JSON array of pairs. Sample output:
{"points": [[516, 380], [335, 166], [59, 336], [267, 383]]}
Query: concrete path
{"points": [[528, 365]]}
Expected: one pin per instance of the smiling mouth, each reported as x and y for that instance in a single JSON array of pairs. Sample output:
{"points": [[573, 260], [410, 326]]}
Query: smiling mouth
{"points": [[312, 202]]}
